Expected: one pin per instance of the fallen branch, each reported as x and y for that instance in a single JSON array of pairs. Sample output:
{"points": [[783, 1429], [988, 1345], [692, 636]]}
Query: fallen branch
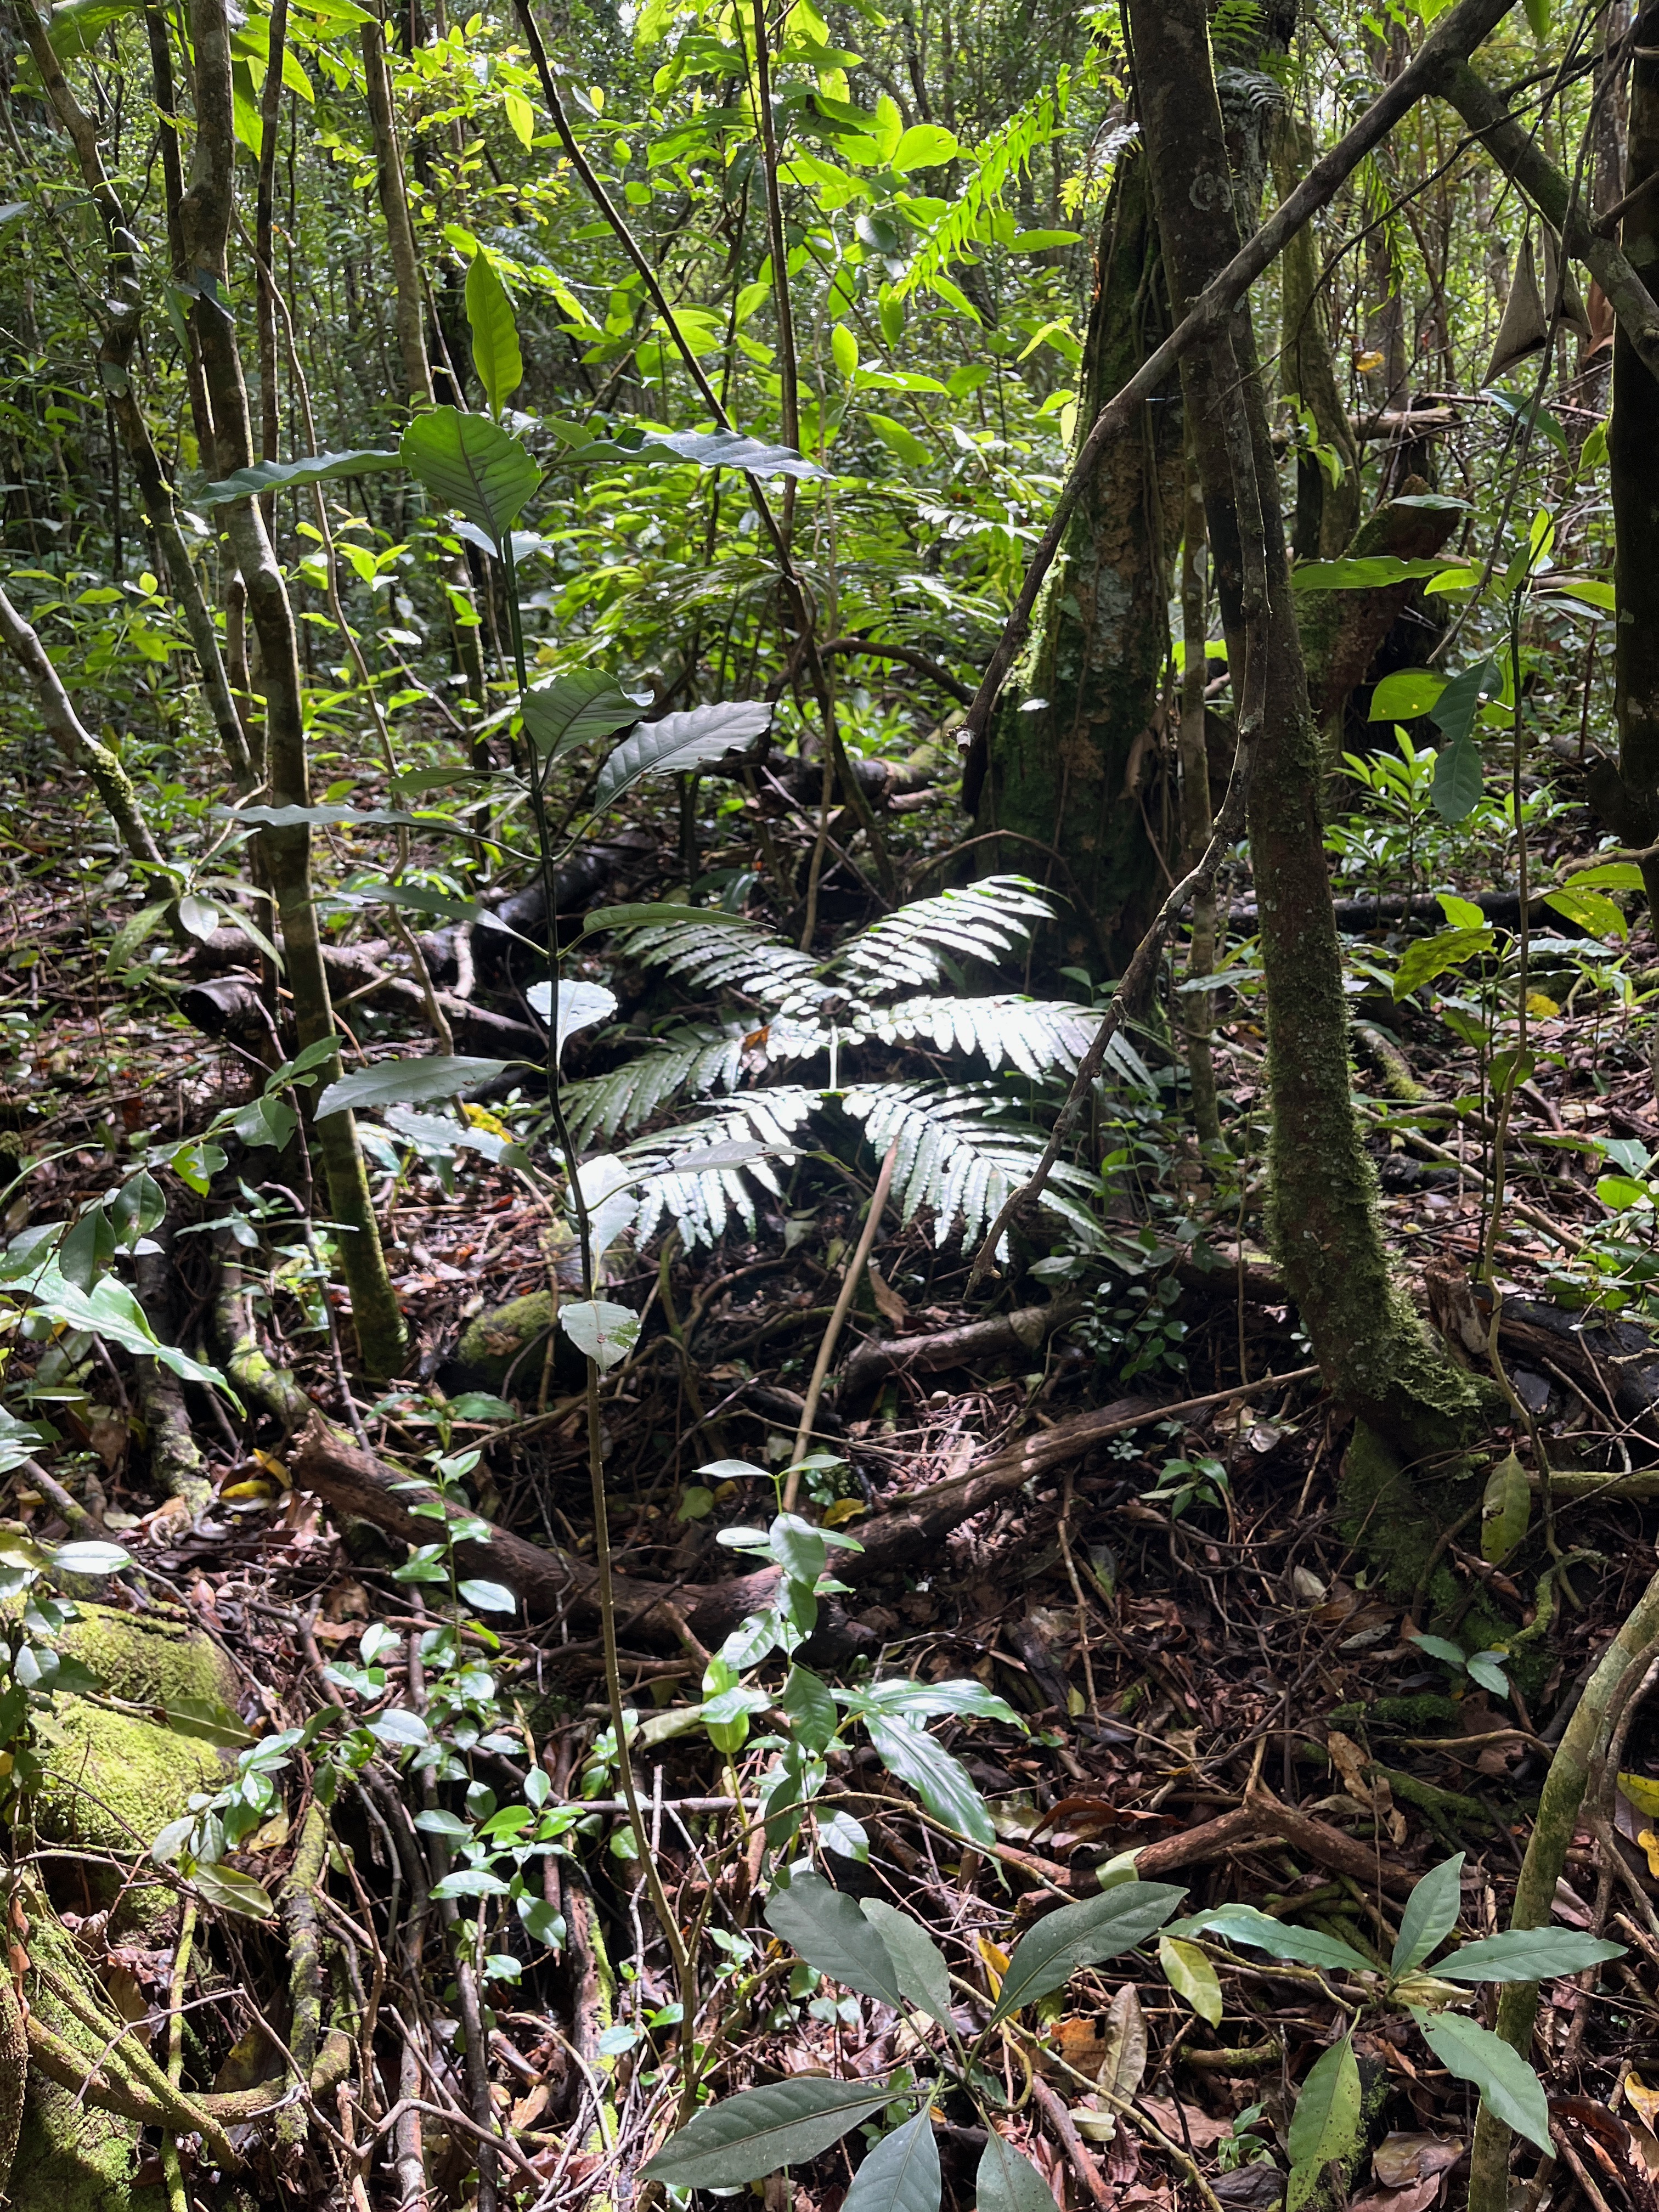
{"points": [[966, 1345]]}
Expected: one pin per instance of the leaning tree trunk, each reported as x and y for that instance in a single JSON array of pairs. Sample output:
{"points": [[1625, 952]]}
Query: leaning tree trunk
{"points": [[204, 220], [1322, 1211], [1074, 744]]}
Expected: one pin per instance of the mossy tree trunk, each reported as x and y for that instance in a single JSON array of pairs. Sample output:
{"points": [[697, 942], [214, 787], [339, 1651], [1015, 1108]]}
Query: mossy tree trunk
{"points": [[1076, 743], [1322, 1213], [1326, 507]]}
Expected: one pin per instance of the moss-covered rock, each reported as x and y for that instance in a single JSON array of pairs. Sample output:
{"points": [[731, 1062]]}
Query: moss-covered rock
{"points": [[114, 1780], [504, 1349], [150, 1660]]}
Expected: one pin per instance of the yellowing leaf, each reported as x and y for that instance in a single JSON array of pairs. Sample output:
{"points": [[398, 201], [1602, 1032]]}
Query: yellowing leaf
{"points": [[843, 1510], [1541, 1006], [480, 1117], [273, 1466], [1190, 1975], [1643, 1791], [1505, 1509], [1365, 362], [1644, 2101], [255, 1487], [271, 1836], [996, 1965]]}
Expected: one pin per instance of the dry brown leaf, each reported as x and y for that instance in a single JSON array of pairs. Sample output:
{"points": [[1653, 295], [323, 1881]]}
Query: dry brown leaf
{"points": [[1200, 2129], [1402, 2159]]}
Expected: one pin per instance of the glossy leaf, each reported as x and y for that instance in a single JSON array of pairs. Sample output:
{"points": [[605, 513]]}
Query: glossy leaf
{"points": [[1260, 1931], [918, 1962], [577, 709], [1429, 1916], [1373, 573], [1588, 910], [233, 1891], [603, 1333], [1507, 2084], [1406, 694], [942, 1782], [470, 463], [1191, 1976], [825, 1926], [1430, 956], [709, 449], [1458, 780], [811, 1708], [496, 352], [581, 1005], [639, 917], [1527, 1954], [681, 741], [1103, 1927], [901, 1697], [289, 475], [406, 1082], [901, 2174], [746, 2136]]}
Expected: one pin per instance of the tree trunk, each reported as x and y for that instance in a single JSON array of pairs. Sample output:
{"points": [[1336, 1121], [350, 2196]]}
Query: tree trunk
{"points": [[205, 223], [1326, 511], [1075, 743], [1322, 1209]]}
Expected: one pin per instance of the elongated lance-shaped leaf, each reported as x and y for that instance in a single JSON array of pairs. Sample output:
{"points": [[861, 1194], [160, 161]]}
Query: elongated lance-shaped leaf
{"points": [[785, 2124], [576, 710], [709, 449], [1325, 2124], [826, 1926], [918, 1961], [407, 1082], [681, 741], [496, 352], [468, 462], [1503, 2078], [1527, 1954], [289, 475], [1307, 1947], [1005, 2182], [901, 2172], [1081, 1935], [941, 1781], [1429, 1916]]}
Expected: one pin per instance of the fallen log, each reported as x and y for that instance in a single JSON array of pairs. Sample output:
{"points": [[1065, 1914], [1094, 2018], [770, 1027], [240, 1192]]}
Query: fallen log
{"points": [[966, 1345]]}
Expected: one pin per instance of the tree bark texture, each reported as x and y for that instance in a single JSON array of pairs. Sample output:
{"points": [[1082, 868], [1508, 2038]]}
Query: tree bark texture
{"points": [[1325, 513], [1075, 742], [204, 226], [1322, 1208]]}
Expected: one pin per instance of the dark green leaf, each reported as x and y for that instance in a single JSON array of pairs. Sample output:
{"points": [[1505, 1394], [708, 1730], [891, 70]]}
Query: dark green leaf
{"points": [[407, 1082], [577, 708], [811, 1708], [1429, 1916], [918, 1961], [1081, 1935], [1325, 2124], [1430, 956], [1359, 575], [1457, 780], [1006, 2182], [901, 2172], [641, 917], [233, 1893], [746, 2136], [834, 1938], [289, 475], [1454, 712], [1527, 1954], [470, 463], [681, 741], [1506, 2082], [942, 1782], [1260, 1931], [909, 1700]]}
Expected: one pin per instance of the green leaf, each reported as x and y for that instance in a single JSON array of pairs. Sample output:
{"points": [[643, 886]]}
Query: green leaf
{"points": [[909, 1700], [1507, 2084], [602, 1332], [1458, 781], [232, 1892], [469, 1881], [1454, 712], [903, 445], [581, 1005], [1190, 1975], [488, 1597], [1505, 1509], [496, 352], [901, 2172], [844, 352], [1429, 1916], [924, 146], [1430, 956], [1610, 876], [1307, 1947], [431, 1820], [1047, 1955], [1006, 2182], [798, 1547], [825, 1926], [918, 1963], [289, 475], [1485, 1667], [641, 917], [1527, 1954], [1588, 591], [1325, 2124], [407, 1082], [576, 710], [469, 463], [92, 1557], [1587, 909], [811, 1708], [753, 2134], [681, 741], [1370, 574], [1538, 21], [1406, 694], [942, 1782]]}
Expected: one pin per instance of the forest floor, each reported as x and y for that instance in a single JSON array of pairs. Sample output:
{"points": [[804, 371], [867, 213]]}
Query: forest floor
{"points": [[1173, 1659]]}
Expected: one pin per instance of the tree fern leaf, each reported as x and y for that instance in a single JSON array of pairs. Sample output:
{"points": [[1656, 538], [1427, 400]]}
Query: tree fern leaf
{"points": [[748, 959], [698, 1058], [982, 920]]}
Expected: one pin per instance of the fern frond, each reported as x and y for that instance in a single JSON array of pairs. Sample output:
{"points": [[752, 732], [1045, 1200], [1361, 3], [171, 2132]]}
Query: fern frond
{"points": [[740, 957], [700, 1202], [1035, 1035], [697, 1058], [999, 161], [958, 1161], [982, 920]]}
